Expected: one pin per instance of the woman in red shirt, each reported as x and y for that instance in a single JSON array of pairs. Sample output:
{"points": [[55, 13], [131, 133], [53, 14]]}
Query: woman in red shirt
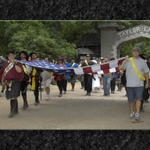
{"points": [[60, 78]]}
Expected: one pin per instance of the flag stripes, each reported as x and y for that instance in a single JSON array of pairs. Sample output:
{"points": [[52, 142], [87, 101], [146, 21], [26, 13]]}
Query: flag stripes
{"points": [[104, 68]]}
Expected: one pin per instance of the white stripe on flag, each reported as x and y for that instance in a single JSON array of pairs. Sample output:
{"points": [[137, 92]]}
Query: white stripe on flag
{"points": [[100, 72], [95, 68], [112, 70], [113, 64], [78, 70]]}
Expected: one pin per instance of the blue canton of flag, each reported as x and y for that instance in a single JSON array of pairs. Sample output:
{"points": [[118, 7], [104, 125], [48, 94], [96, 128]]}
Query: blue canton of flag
{"points": [[47, 66]]}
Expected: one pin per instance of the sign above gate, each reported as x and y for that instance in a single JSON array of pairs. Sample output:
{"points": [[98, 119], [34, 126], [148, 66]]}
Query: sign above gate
{"points": [[130, 34], [141, 29]]}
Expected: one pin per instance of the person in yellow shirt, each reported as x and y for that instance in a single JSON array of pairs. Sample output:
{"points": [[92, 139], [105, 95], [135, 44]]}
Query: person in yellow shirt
{"points": [[35, 78], [137, 73]]}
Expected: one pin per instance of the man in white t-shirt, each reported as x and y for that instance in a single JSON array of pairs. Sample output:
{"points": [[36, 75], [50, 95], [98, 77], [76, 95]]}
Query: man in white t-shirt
{"points": [[135, 81], [46, 79]]}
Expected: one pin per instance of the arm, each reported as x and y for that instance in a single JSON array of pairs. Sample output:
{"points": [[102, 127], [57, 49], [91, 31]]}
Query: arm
{"points": [[147, 79], [146, 74], [121, 67]]}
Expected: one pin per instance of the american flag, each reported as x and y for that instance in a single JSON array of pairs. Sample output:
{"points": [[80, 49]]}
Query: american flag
{"points": [[47, 66], [104, 68]]}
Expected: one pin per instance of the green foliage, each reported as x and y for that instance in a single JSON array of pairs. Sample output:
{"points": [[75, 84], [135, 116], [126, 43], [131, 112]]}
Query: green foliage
{"points": [[142, 43], [36, 36], [72, 31], [59, 38]]}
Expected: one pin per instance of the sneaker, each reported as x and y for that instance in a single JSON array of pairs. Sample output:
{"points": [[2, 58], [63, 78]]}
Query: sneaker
{"points": [[132, 115], [11, 115], [89, 94], [106, 95], [142, 110], [137, 116], [36, 103], [60, 95], [25, 106]]}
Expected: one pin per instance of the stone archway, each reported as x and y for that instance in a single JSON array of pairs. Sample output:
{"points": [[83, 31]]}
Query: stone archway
{"points": [[130, 34]]}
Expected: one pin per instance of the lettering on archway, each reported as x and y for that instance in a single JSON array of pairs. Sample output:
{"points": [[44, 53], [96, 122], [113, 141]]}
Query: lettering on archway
{"points": [[130, 34]]}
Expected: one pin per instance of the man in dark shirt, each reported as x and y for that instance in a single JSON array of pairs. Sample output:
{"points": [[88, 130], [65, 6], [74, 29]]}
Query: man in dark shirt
{"points": [[87, 77]]}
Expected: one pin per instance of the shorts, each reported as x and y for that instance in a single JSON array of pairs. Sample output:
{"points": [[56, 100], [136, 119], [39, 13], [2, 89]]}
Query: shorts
{"points": [[47, 83], [135, 93]]}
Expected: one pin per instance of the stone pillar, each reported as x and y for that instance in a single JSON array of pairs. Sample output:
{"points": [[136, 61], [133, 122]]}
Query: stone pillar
{"points": [[108, 38]]}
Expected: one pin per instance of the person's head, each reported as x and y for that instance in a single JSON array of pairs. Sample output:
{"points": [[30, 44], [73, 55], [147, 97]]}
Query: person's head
{"points": [[29, 59], [105, 60], [46, 59], [101, 59], [111, 58], [136, 52], [65, 60], [81, 61], [88, 57], [94, 61], [23, 55], [33, 55], [72, 60], [60, 61], [11, 55]]}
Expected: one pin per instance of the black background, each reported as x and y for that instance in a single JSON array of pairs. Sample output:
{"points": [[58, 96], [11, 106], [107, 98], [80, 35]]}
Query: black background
{"points": [[74, 10]]}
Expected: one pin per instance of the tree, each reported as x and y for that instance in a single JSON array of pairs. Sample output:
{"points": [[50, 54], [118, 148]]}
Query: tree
{"points": [[34, 36], [53, 38]]}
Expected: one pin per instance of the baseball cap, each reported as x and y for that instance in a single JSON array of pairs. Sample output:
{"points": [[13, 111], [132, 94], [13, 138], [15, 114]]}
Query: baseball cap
{"points": [[137, 49]]}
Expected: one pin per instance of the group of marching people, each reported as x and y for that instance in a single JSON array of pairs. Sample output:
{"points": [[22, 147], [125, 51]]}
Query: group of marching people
{"points": [[15, 78], [92, 82]]}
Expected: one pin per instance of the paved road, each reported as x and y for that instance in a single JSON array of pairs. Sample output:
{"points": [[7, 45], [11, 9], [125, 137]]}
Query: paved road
{"points": [[74, 111]]}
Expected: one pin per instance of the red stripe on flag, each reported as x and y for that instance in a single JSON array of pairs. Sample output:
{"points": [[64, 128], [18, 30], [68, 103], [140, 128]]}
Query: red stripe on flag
{"points": [[120, 61], [94, 72], [87, 70], [105, 66], [106, 71], [117, 69]]}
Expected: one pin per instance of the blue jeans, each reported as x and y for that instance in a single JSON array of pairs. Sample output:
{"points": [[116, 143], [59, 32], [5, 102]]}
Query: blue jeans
{"points": [[106, 84]]}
